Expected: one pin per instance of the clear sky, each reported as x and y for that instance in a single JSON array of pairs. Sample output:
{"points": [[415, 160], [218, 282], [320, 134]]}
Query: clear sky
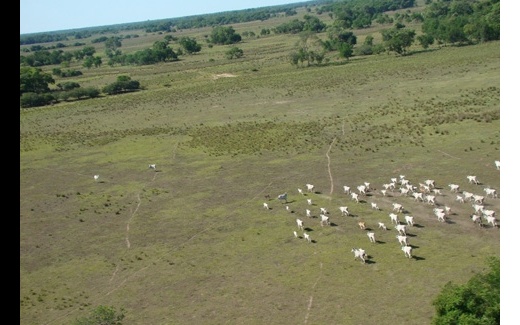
{"points": [[54, 15]]}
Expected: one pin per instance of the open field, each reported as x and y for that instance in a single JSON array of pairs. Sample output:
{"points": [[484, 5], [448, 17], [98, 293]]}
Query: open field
{"points": [[190, 242]]}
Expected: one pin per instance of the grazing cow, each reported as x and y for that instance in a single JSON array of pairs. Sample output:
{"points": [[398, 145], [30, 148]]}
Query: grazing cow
{"points": [[295, 234], [436, 191], [403, 240], [374, 206], [430, 183], [478, 199], [300, 191], [460, 199], [382, 226], [401, 229], [308, 213], [491, 220], [477, 207], [407, 251], [324, 220], [307, 237], [454, 187], [323, 210], [344, 211], [367, 184], [354, 197], [490, 192], [447, 210], [430, 199], [299, 223], [404, 190], [310, 187], [309, 201], [359, 253], [409, 220], [476, 219], [441, 216], [361, 189], [467, 195], [287, 208], [152, 166], [497, 164], [397, 207], [489, 213], [371, 236], [362, 225], [283, 197], [96, 177], [394, 218], [266, 206], [383, 192], [417, 196], [472, 179], [346, 189]]}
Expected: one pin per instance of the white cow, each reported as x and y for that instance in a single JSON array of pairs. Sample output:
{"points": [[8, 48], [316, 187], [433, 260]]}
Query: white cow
{"points": [[454, 187], [490, 192], [417, 196], [403, 240], [476, 219], [324, 220], [323, 210], [346, 189], [401, 229], [308, 213], [359, 253], [152, 166], [383, 192], [441, 216], [344, 211], [371, 236], [497, 164], [397, 207], [382, 226], [354, 197], [374, 206], [300, 191], [309, 201], [430, 183], [447, 210], [394, 218], [491, 220], [472, 179], [467, 195], [460, 199], [307, 237], [310, 187], [266, 206], [295, 234], [299, 223], [96, 177], [477, 207], [430, 199], [407, 251], [488, 213], [478, 199], [409, 220], [361, 189]]}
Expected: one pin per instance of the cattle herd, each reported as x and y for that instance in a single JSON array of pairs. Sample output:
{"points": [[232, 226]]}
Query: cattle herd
{"points": [[425, 192]]}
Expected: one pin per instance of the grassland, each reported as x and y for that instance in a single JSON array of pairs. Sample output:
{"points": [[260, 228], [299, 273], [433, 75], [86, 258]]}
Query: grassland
{"points": [[190, 243]]}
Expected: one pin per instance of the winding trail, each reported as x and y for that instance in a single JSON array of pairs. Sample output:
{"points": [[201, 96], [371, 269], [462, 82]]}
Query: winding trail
{"points": [[309, 305], [328, 167]]}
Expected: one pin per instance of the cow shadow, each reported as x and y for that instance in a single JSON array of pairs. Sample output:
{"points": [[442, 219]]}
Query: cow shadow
{"points": [[368, 261], [332, 224], [418, 225], [418, 258], [380, 242]]}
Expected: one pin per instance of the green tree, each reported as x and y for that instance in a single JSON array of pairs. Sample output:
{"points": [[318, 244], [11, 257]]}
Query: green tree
{"points": [[34, 80], [190, 45], [477, 302], [112, 45], [398, 40], [102, 315], [224, 35], [234, 53]]}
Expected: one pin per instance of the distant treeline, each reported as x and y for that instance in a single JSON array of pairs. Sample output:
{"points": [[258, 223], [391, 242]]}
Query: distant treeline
{"points": [[344, 9]]}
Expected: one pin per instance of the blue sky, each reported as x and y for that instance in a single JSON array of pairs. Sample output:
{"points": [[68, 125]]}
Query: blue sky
{"points": [[53, 15]]}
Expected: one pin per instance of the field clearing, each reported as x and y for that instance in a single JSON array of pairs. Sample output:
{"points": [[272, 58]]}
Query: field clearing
{"points": [[190, 243]]}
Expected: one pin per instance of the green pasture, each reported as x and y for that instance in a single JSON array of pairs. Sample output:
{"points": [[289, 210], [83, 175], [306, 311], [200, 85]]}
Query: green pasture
{"points": [[190, 242]]}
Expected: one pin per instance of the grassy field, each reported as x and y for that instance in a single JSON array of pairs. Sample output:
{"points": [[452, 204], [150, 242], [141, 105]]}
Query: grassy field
{"points": [[190, 242]]}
